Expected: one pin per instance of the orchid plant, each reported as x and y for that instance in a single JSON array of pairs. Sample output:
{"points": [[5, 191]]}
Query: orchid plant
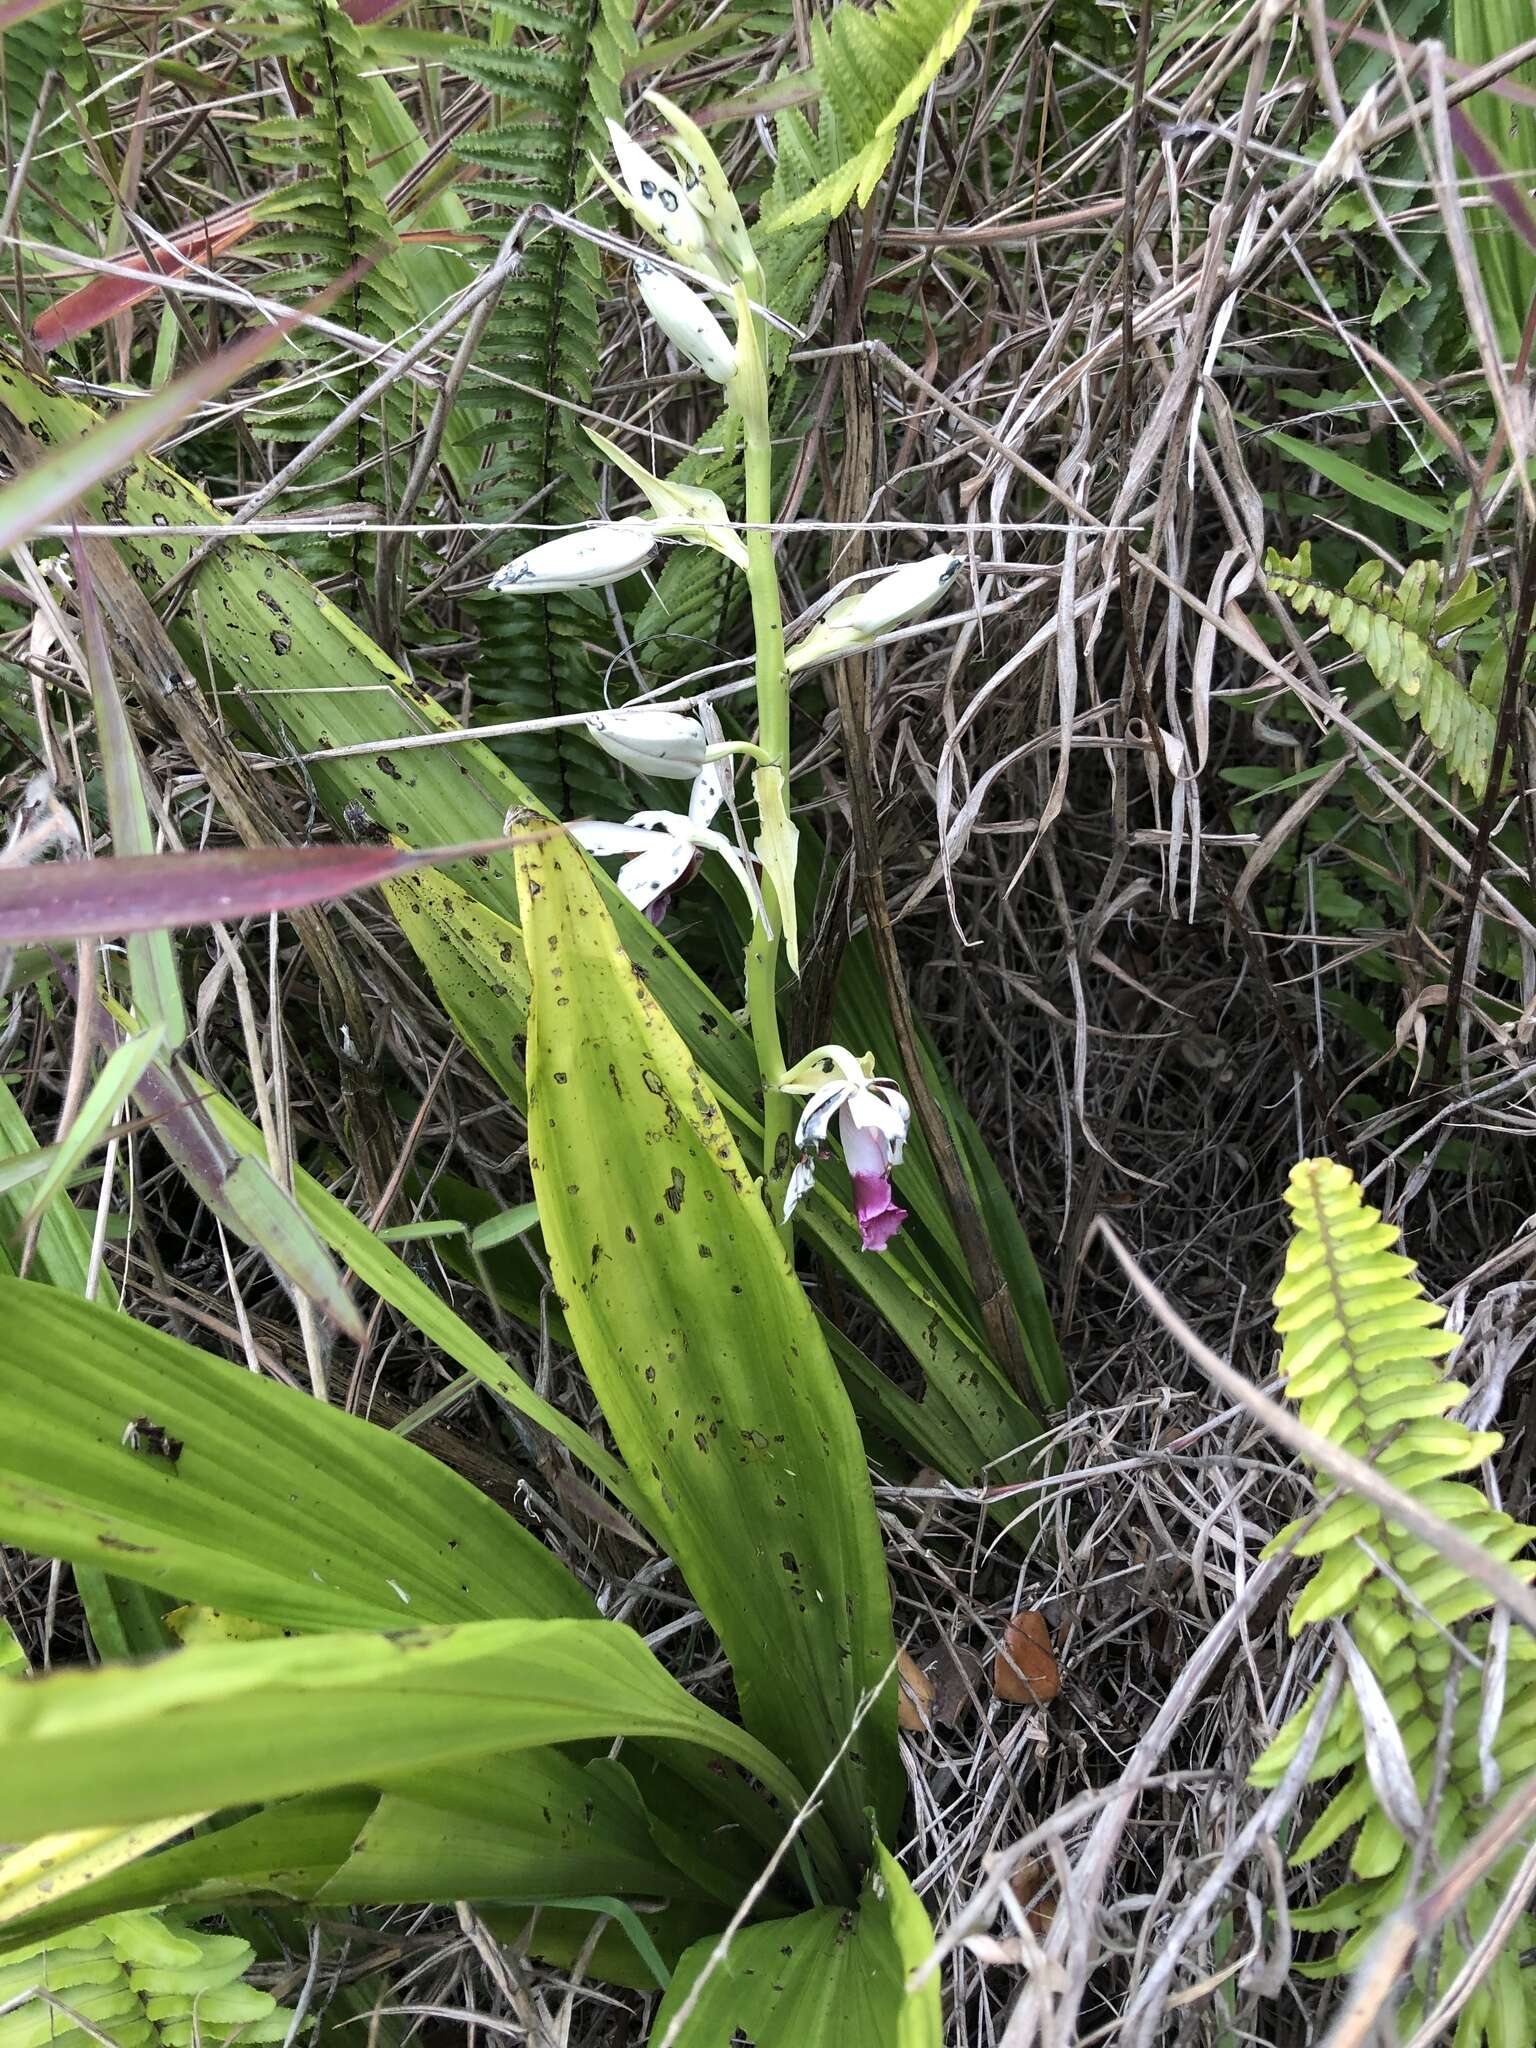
{"points": [[691, 212]]}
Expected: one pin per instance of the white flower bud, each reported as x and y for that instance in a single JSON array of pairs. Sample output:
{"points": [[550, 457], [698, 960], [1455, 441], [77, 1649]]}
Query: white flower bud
{"points": [[683, 315], [659, 203], [653, 742], [894, 600], [579, 561]]}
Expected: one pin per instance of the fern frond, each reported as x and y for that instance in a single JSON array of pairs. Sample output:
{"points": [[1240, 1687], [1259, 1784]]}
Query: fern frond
{"points": [[327, 194], [141, 1980], [555, 67], [1398, 633], [64, 201], [873, 69], [1362, 1357]]}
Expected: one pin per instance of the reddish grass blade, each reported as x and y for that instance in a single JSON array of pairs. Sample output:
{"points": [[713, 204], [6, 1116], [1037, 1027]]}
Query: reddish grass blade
{"points": [[41, 494], [1506, 191], [156, 892], [365, 12], [14, 11], [103, 298]]}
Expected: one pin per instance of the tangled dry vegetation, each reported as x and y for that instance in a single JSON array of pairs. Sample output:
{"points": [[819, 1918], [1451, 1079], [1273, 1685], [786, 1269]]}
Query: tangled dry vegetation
{"points": [[1178, 901]]}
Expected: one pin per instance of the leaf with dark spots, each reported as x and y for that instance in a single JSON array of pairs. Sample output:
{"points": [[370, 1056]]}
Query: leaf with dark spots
{"points": [[678, 1346]]}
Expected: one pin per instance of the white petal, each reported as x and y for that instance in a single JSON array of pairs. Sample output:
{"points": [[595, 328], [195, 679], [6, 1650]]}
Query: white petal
{"points": [[865, 1152], [873, 1126], [881, 1106], [817, 1115], [898, 598], [579, 561], [654, 742], [707, 794], [801, 1181], [684, 316], [673, 823], [655, 872], [603, 839]]}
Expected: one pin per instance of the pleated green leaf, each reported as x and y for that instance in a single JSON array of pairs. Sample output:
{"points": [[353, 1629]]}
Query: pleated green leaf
{"points": [[245, 1722], [701, 1347], [275, 1505]]}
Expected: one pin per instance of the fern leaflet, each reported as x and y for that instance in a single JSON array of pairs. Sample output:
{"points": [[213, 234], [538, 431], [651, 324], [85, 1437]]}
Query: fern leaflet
{"points": [[141, 1980], [873, 70], [1400, 633], [1362, 1359], [555, 67]]}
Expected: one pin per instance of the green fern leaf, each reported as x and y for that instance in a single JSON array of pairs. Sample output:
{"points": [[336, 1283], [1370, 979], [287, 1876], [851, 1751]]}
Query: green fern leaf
{"points": [[555, 68], [1362, 1358], [141, 1980], [873, 70], [323, 218], [1398, 633]]}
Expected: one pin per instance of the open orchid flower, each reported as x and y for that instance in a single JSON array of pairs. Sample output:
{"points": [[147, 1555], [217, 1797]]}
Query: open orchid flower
{"points": [[665, 849], [859, 619], [873, 1117], [585, 560]]}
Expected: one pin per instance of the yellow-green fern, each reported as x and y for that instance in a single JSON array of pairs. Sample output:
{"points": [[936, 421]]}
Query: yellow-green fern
{"points": [[140, 1980], [872, 68], [1399, 632], [1362, 1359]]}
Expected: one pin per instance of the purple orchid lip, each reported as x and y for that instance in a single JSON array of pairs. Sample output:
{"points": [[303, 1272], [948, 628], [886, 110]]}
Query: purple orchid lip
{"points": [[658, 906], [878, 1215]]}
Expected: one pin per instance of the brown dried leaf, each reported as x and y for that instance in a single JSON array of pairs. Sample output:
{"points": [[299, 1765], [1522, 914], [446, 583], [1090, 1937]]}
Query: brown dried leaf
{"points": [[1025, 1669], [1033, 1884], [915, 1695]]}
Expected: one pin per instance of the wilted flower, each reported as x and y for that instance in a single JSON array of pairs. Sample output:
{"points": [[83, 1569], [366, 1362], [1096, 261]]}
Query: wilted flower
{"points": [[683, 315], [861, 617], [873, 1117], [580, 561], [666, 848], [655, 742]]}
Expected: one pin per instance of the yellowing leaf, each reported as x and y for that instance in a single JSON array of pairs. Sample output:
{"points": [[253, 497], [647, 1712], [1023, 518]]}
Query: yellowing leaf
{"points": [[708, 1361]]}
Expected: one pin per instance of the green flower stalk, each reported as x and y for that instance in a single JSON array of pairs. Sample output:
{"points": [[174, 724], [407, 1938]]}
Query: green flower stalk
{"points": [[771, 781], [692, 212]]}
